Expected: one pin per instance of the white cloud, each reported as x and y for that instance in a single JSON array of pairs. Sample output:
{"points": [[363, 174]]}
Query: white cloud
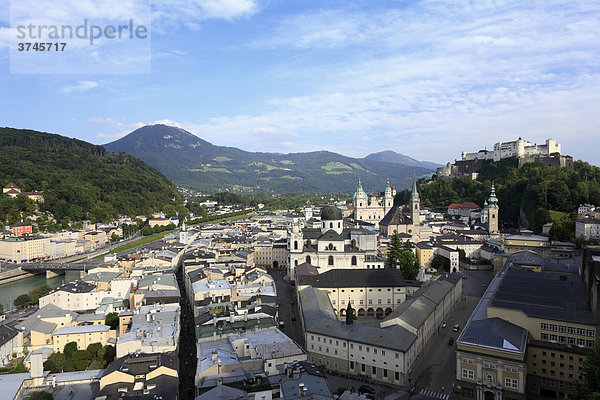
{"points": [[433, 77], [226, 9], [81, 86]]}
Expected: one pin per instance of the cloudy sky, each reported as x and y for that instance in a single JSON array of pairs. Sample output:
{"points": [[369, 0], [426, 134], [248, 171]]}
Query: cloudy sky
{"points": [[424, 78]]}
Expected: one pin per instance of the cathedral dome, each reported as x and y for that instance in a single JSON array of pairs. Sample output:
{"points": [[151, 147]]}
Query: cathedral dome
{"points": [[331, 213]]}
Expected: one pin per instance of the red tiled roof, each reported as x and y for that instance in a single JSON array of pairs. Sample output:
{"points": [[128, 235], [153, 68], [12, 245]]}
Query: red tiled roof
{"points": [[466, 204]]}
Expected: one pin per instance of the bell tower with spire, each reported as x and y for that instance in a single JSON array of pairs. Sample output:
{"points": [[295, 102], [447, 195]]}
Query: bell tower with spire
{"points": [[388, 198], [492, 211], [415, 204]]}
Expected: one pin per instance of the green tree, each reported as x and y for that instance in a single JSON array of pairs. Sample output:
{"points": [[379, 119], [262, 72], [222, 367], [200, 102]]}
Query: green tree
{"points": [[109, 353], [69, 349], [36, 293], [93, 349], [22, 301], [591, 373], [394, 251], [408, 262], [440, 263], [40, 395], [55, 363], [1, 308], [112, 320], [80, 359]]}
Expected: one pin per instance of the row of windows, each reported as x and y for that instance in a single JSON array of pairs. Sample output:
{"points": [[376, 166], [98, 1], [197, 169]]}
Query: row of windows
{"points": [[551, 382], [560, 373], [560, 355], [370, 290], [567, 329], [389, 301], [570, 340], [360, 347]]}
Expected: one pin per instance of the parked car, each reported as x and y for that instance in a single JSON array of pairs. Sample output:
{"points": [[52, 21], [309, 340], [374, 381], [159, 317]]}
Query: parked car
{"points": [[366, 389], [444, 325], [456, 327]]}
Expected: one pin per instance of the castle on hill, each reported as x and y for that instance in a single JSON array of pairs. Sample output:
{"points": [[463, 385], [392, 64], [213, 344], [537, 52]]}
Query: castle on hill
{"points": [[470, 164]]}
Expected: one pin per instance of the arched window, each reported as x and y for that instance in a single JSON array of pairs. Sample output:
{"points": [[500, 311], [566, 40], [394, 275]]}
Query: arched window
{"points": [[308, 259], [330, 260], [331, 225], [339, 224], [353, 260], [295, 245], [295, 263], [330, 247]]}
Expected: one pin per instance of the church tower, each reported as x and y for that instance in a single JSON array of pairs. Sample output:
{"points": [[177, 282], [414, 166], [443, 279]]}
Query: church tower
{"points": [[183, 234], [388, 198], [492, 211], [415, 207], [360, 201]]}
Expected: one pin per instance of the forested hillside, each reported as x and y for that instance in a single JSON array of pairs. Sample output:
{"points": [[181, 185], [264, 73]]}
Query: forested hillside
{"points": [[529, 197], [195, 163], [79, 180]]}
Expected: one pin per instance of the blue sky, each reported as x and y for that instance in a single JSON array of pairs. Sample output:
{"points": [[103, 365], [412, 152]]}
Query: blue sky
{"points": [[424, 78]]}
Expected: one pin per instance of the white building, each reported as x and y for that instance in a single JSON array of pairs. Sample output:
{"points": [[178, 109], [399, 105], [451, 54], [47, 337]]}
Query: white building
{"points": [[332, 246], [518, 148], [75, 296], [154, 329], [372, 209], [588, 228]]}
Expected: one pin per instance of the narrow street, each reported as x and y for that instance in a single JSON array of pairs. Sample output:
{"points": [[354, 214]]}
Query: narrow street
{"points": [[288, 306], [187, 344]]}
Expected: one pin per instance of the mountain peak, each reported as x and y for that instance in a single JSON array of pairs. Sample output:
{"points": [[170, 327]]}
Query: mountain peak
{"points": [[391, 156], [158, 136]]}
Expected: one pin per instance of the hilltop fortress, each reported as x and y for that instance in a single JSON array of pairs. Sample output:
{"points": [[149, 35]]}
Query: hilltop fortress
{"points": [[527, 152]]}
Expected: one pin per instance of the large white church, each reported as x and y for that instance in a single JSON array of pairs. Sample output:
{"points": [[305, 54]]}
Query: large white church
{"points": [[372, 209], [331, 246]]}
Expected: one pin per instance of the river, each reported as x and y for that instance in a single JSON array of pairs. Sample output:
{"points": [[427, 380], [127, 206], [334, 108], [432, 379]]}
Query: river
{"points": [[11, 290]]}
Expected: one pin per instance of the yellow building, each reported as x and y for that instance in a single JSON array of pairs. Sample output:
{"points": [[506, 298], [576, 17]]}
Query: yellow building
{"points": [[424, 252], [141, 375], [490, 360], [526, 240], [560, 326], [21, 249], [83, 335]]}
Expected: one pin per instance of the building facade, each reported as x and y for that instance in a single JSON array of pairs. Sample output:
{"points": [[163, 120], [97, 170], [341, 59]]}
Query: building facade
{"points": [[372, 209]]}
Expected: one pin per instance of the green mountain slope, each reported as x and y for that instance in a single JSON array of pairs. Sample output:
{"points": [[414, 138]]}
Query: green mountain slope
{"points": [[192, 162], [397, 158], [81, 180]]}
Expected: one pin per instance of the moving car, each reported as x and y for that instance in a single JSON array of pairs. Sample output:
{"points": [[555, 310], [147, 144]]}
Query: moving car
{"points": [[366, 389]]}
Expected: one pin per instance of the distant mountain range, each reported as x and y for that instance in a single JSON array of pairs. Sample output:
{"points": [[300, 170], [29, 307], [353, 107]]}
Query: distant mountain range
{"points": [[195, 163], [397, 158]]}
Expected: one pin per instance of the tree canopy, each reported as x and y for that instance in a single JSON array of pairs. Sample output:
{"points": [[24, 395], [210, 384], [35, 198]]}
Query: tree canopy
{"points": [[404, 256], [79, 180], [525, 195]]}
